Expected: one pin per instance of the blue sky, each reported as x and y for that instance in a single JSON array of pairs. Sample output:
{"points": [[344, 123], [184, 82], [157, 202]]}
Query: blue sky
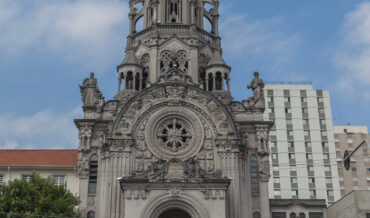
{"points": [[48, 47]]}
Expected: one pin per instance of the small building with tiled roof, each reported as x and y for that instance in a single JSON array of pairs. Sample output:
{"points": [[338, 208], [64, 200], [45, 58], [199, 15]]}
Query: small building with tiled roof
{"points": [[59, 164]]}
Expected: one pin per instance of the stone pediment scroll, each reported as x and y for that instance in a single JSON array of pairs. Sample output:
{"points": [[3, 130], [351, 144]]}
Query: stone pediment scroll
{"points": [[175, 170], [175, 75]]}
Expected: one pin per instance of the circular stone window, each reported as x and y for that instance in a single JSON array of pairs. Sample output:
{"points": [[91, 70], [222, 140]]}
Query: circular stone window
{"points": [[174, 133]]}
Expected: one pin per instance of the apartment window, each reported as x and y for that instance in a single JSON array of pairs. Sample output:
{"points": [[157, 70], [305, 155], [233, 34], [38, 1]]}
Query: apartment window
{"points": [[330, 193], [1, 179], [286, 99], [327, 168], [276, 180], [366, 159], [352, 159], [364, 150], [309, 156], [329, 181], [353, 169], [355, 179], [273, 144], [272, 133], [288, 110], [325, 145], [275, 168], [293, 168], [291, 144], [276, 192], [312, 192], [294, 180], [274, 156], [320, 99], [289, 122], [308, 144], [340, 169], [292, 156], [290, 133], [26, 178], [271, 110], [324, 133], [59, 180], [325, 156], [305, 110], [355, 187], [294, 192], [303, 99], [270, 99], [306, 133], [310, 168], [368, 169], [321, 110], [350, 141], [341, 178], [311, 180], [322, 121], [305, 121]]}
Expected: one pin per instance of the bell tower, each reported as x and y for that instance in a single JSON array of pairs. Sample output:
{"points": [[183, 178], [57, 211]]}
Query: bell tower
{"points": [[168, 34]]}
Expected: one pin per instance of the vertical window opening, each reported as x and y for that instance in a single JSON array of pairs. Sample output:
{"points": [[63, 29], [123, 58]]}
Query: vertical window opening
{"points": [[93, 174]]}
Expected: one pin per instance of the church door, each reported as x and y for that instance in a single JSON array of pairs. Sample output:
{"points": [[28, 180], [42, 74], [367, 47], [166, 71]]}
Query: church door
{"points": [[174, 214]]}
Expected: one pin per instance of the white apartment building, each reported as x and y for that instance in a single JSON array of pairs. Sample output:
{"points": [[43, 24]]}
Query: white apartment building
{"points": [[303, 158]]}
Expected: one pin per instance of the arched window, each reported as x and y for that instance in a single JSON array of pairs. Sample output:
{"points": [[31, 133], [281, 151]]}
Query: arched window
{"points": [[91, 214], [210, 82], [93, 174], [292, 215], [137, 82], [302, 215], [129, 81], [256, 215], [207, 25], [254, 174], [218, 81], [139, 24]]}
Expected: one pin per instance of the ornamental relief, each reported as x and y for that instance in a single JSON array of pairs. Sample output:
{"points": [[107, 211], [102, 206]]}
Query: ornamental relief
{"points": [[183, 95]]}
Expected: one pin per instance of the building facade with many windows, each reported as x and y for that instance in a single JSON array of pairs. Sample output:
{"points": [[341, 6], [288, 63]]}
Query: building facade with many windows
{"points": [[358, 176], [303, 159]]}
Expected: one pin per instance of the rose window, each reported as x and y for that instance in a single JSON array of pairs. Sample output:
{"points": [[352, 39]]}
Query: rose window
{"points": [[174, 135]]}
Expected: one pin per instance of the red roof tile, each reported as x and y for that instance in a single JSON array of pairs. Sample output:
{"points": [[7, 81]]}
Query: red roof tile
{"points": [[38, 157]]}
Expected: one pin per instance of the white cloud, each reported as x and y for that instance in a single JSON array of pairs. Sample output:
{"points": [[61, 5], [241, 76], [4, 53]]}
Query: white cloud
{"points": [[44, 129], [81, 30], [353, 56], [264, 39]]}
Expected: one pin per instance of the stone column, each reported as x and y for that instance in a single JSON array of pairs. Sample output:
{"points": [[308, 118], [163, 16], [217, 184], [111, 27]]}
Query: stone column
{"points": [[228, 83], [207, 83], [265, 203]]}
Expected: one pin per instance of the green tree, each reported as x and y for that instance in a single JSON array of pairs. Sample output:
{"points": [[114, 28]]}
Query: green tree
{"points": [[37, 198]]}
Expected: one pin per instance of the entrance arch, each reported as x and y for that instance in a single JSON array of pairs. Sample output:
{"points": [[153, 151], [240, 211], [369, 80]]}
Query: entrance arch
{"points": [[165, 206], [174, 213]]}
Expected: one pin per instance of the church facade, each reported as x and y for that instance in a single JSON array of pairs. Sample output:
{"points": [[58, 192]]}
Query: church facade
{"points": [[173, 143]]}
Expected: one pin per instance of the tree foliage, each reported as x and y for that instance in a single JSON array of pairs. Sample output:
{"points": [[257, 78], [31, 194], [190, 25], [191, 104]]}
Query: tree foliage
{"points": [[37, 198]]}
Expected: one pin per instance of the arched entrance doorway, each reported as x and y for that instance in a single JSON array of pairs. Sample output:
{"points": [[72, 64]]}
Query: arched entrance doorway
{"points": [[174, 213]]}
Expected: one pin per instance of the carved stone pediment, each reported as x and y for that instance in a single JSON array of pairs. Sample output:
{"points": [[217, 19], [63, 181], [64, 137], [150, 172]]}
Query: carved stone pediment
{"points": [[175, 75]]}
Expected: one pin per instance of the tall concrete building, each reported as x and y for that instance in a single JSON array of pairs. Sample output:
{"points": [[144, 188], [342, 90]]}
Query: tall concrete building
{"points": [[172, 143], [303, 159], [358, 176]]}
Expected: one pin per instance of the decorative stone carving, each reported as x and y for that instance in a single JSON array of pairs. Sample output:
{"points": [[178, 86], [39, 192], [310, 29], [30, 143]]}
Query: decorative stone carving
{"points": [[91, 95], [262, 140], [258, 99], [136, 194], [213, 194], [176, 192], [264, 168], [82, 165], [85, 134]]}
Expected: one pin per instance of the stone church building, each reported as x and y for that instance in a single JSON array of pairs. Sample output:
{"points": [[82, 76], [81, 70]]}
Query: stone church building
{"points": [[173, 143]]}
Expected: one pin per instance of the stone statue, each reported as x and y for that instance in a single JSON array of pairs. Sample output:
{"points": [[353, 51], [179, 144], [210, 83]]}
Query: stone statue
{"points": [[91, 95], [258, 99]]}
